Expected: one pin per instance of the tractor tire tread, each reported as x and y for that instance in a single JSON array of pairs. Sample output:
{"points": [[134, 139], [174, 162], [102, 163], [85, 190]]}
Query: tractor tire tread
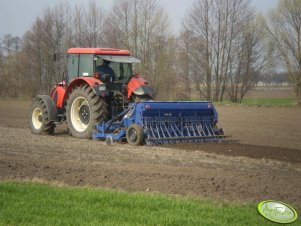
{"points": [[47, 126], [98, 110]]}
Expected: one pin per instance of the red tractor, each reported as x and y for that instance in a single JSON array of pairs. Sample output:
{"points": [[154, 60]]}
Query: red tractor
{"points": [[99, 84]]}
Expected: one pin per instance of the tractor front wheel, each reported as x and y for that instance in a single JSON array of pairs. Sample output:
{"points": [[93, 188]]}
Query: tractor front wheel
{"points": [[134, 135], [39, 119], [84, 110]]}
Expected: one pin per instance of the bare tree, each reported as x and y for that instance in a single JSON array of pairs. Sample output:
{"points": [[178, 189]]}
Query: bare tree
{"points": [[284, 26], [44, 51], [140, 26], [78, 26], [32, 62], [9, 66], [143, 28], [250, 58], [62, 38], [41, 43], [2, 74], [196, 25], [88, 22], [220, 46], [184, 66]]}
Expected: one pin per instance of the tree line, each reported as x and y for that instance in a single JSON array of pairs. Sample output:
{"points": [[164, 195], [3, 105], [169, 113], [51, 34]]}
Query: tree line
{"points": [[222, 49]]}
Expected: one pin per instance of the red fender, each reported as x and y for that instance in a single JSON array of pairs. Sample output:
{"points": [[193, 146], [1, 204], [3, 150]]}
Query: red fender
{"points": [[136, 82], [57, 94], [60, 92], [91, 81]]}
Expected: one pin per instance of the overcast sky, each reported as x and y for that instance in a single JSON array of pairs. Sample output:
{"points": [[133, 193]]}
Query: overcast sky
{"points": [[17, 16]]}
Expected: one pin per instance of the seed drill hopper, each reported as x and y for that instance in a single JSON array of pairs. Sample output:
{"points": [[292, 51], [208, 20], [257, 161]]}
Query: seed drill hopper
{"points": [[155, 123]]}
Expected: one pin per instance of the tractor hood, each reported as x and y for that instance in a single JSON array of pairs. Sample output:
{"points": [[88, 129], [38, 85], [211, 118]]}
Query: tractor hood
{"points": [[120, 59]]}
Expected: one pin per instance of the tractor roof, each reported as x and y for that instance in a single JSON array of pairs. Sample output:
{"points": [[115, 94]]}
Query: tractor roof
{"points": [[101, 51]]}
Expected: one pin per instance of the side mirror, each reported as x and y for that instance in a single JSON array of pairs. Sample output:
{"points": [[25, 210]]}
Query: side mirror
{"points": [[64, 79]]}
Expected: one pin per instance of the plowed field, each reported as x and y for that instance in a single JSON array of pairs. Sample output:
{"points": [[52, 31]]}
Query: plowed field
{"points": [[262, 159]]}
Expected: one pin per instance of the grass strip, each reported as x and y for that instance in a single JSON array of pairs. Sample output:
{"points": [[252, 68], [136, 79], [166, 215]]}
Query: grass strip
{"points": [[263, 102], [25, 203]]}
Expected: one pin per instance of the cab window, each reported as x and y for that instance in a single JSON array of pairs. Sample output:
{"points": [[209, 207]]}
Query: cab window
{"points": [[86, 62], [72, 66], [122, 70]]}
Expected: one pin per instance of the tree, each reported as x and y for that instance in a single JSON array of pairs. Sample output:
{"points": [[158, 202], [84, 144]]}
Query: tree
{"points": [[184, 66], [49, 38], [2, 75], [250, 58], [284, 27], [143, 28], [140, 26], [9, 66], [89, 24], [221, 51]]}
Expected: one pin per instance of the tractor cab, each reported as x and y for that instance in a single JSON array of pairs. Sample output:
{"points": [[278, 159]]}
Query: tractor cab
{"points": [[87, 65], [121, 65], [111, 68]]}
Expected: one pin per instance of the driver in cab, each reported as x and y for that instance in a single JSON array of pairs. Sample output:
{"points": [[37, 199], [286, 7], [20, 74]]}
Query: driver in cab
{"points": [[107, 74]]}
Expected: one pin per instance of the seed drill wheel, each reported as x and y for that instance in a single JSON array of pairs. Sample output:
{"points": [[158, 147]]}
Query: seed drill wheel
{"points": [[38, 118], [84, 110], [134, 135]]}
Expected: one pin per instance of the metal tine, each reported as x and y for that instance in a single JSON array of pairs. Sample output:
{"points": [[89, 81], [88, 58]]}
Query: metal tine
{"points": [[167, 130], [181, 134], [209, 134], [212, 132], [160, 125], [147, 128], [187, 130], [179, 130], [200, 132], [148, 131], [174, 132], [152, 131], [196, 130], [157, 129], [211, 128]]}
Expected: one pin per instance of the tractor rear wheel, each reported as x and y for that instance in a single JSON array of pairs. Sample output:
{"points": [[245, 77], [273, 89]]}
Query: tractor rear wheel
{"points": [[84, 110], [39, 119], [134, 135]]}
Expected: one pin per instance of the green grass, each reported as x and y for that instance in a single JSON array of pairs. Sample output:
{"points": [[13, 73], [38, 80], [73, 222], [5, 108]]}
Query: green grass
{"points": [[272, 102], [264, 102], [23, 203]]}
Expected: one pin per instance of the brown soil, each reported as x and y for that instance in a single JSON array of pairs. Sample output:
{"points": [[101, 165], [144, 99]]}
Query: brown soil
{"points": [[262, 160]]}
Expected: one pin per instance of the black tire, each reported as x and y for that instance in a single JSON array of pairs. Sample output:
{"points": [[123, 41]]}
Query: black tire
{"points": [[39, 119], [82, 119], [134, 135]]}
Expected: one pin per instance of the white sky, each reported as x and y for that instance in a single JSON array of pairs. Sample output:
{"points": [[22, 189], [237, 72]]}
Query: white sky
{"points": [[17, 16]]}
